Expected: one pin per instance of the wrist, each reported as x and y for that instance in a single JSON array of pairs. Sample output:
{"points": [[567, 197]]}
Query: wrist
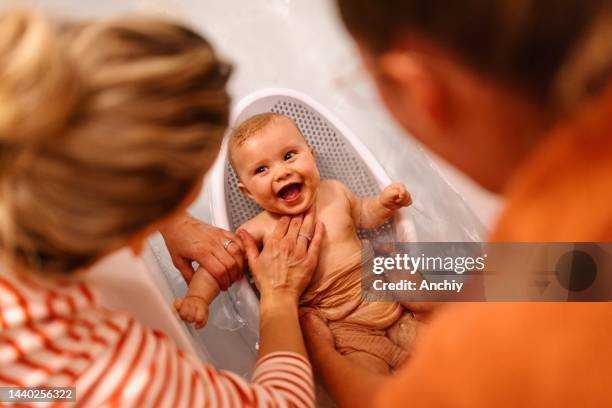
{"points": [[386, 205], [199, 298], [278, 299], [173, 222]]}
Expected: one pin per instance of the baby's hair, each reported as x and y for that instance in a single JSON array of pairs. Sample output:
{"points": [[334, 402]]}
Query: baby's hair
{"points": [[252, 126], [105, 128]]}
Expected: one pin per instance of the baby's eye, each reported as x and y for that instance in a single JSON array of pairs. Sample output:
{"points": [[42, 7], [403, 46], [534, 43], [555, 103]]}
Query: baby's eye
{"points": [[289, 155], [260, 169]]}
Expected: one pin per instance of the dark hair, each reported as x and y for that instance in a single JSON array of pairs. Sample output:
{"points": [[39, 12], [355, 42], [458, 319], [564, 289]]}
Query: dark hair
{"points": [[523, 44]]}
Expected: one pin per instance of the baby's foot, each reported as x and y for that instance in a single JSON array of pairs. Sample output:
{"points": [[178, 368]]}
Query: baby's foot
{"points": [[192, 309]]}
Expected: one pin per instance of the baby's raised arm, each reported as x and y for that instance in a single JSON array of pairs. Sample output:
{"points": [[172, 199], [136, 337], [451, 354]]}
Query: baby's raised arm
{"points": [[372, 212]]}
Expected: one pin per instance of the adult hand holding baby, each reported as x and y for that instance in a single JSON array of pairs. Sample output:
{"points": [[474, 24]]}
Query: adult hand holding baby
{"points": [[282, 270], [218, 251], [289, 257], [334, 368]]}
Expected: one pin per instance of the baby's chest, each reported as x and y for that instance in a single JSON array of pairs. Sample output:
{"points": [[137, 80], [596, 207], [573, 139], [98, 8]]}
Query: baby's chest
{"points": [[337, 218]]}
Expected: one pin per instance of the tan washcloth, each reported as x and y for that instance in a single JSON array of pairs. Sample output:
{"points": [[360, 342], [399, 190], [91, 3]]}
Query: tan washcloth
{"points": [[375, 334]]}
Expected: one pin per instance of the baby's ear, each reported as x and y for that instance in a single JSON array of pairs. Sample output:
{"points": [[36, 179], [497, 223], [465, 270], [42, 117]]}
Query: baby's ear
{"points": [[244, 190], [312, 150]]}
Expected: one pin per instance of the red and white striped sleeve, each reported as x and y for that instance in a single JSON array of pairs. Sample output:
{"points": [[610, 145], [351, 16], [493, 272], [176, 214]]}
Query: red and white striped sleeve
{"points": [[58, 336], [146, 369], [287, 375]]}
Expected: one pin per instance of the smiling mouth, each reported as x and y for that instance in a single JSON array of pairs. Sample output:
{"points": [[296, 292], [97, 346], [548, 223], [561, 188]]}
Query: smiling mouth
{"points": [[290, 192]]}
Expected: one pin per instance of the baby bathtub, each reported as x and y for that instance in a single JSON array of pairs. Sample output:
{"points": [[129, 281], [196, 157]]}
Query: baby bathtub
{"points": [[340, 155]]}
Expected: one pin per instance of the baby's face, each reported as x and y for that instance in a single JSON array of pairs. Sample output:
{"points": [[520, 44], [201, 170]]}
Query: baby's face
{"points": [[277, 169]]}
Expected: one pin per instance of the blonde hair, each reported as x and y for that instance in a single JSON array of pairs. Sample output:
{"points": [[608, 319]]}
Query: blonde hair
{"points": [[252, 126], [105, 128]]}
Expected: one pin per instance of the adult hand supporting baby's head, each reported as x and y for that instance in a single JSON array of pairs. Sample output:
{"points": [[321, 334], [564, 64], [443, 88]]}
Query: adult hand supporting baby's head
{"points": [[289, 257]]}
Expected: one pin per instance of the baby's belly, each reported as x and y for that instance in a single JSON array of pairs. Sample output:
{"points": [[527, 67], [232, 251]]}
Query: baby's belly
{"points": [[335, 292]]}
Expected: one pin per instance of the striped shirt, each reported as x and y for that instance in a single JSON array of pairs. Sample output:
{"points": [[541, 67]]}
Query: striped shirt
{"points": [[56, 335]]}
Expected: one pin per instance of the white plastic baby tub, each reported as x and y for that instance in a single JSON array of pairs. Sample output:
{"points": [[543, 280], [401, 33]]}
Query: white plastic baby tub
{"points": [[340, 155]]}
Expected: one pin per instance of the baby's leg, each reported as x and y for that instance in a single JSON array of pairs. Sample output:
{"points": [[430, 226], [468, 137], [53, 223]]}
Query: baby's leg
{"points": [[369, 362]]}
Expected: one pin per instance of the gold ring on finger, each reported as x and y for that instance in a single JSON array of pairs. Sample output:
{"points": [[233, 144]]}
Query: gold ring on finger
{"points": [[305, 236]]}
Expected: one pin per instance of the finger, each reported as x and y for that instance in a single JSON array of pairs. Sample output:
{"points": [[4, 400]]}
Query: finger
{"points": [[191, 312], [308, 225], [307, 230], [422, 310], [235, 238], [315, 245], [218, 271], [200, 317], [185, 311], [281, 228], [184, 267], [178, 303], [302, 245], [229, 263], [294, 228], [250, 246], [238, 256], [236, 251]]}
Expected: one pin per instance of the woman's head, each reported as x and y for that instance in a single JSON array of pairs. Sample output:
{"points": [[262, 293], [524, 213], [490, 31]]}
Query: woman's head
{"points": [[105, 129], [476, 80]]}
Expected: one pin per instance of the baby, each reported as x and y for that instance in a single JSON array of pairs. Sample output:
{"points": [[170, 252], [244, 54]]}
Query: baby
{"points": [[277, 169]]}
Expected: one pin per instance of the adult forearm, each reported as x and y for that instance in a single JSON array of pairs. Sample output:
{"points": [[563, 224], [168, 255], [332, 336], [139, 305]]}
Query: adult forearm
{"points": [[279, 325], [348, 383]]}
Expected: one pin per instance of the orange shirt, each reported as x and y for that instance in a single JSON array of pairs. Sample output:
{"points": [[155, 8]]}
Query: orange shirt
{"points": [[529, 354]]}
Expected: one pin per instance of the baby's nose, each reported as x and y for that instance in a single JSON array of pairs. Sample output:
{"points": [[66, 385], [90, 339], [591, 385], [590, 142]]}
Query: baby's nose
{"points": [[282, 173]]}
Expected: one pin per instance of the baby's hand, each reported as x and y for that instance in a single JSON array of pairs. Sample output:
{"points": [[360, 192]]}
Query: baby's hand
{"points": [[192, 309], [395, 196]]}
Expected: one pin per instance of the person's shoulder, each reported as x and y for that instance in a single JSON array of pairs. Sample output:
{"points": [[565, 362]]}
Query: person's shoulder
{"points": [[259, 225], [334, 187], [337, 190], [332, 184], [256, 224]]}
